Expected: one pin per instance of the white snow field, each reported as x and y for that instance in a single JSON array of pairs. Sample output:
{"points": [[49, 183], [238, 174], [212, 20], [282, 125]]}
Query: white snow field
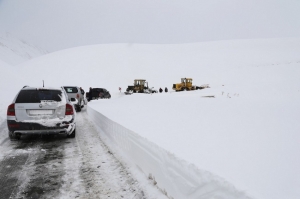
{"points": [[241, 143]]}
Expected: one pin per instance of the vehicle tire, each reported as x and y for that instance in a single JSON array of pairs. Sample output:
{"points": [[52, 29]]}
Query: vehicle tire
{"points": [[11, 135], [72, 135], [18, 137]]}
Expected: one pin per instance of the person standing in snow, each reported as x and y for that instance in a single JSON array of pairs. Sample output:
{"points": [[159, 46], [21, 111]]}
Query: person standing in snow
{"points": [[166, 89], [82, 91], [160, 90]]}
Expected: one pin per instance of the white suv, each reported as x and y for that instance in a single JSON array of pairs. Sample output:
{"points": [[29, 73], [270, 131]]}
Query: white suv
{"points": [[41, 111], [75, 93]]}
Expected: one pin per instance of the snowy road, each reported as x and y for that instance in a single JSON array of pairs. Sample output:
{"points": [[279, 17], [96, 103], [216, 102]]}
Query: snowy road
{"points": [[60, 167]]}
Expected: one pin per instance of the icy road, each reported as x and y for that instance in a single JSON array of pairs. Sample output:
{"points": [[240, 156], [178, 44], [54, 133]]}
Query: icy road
{"points": [[60, 167]]}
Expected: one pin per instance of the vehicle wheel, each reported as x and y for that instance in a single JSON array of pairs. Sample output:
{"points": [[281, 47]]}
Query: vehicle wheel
{"points": [[72, 135], [11, 135], [18, 137]]}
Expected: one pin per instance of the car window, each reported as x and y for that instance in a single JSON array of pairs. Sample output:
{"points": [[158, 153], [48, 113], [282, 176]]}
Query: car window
{"points": [[71, 89], [35, 96]]}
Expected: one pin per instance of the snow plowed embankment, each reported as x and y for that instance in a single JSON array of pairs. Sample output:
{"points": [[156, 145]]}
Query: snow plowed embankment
{"points": [[173, 176]]}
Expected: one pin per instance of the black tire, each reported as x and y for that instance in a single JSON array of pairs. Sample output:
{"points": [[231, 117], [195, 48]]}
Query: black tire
{"points": [[73, 134], [78, 108], [18, 137], [11, 135]]}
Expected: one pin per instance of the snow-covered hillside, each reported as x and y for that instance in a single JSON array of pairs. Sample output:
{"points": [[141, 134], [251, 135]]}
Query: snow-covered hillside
{"points": [[14, 51], [247, 134]]}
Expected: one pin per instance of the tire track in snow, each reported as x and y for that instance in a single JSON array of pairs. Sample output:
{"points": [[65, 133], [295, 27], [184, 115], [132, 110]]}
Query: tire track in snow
{"points": [[102, 174], [41, 176]]}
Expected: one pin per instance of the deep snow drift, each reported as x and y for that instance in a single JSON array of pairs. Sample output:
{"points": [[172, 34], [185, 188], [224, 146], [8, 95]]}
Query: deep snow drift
{"points": [[247, 134]]}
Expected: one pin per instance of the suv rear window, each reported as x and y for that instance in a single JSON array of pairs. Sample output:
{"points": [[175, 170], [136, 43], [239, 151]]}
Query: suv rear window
{"points": [[71, 89], [35, 96]]}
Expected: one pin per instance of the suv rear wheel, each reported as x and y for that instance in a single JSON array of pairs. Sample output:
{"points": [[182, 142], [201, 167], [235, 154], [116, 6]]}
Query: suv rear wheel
{"points": [[72, 135], [12, 136], [78, 108]]}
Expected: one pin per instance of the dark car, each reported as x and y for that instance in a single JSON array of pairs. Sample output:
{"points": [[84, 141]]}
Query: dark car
{"points": [[98, 93]]}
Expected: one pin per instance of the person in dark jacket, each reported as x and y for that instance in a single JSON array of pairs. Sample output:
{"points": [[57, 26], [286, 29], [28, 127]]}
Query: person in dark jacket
{"points": [[166, 89], [160, 90], [90, 94]]}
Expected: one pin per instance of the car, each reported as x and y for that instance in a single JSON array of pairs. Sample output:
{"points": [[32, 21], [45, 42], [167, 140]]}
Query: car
{"points": [[74, 92], [98, 93], [41, 111]]}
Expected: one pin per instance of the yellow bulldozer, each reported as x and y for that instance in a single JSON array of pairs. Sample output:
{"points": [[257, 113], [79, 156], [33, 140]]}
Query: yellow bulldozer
{"points": [[139, 86], [185, 85]]}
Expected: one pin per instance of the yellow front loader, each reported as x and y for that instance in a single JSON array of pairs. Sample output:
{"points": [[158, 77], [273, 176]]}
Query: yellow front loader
{"points": [[185, 85]]}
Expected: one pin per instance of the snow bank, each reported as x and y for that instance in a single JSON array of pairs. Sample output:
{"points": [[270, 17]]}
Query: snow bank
{"points": [[174, 176]]}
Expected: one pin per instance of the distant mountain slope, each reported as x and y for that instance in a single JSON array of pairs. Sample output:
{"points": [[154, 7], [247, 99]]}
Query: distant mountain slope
{"points": [[14, 51]]}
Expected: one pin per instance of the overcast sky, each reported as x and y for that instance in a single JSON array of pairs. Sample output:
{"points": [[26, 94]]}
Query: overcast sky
{"points": [[59, 24]]}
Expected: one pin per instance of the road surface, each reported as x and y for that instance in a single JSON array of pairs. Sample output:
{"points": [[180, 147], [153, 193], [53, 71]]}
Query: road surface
{"points": [[61, 167]]}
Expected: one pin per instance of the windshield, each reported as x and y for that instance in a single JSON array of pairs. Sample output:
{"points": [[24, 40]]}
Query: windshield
{"points": [[36, 96], [71, 89]]}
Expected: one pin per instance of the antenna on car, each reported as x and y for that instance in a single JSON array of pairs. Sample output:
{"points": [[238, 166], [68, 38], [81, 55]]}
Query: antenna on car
{"points": [[43, 83]]}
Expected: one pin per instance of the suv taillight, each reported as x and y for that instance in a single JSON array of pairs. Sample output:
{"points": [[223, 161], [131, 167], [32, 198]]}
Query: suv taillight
{"points": [[77, 96], [69, 109], [11, 110]]}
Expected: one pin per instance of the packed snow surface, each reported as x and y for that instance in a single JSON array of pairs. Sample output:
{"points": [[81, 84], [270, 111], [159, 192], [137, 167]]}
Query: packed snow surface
{"points": [[244, 128]]}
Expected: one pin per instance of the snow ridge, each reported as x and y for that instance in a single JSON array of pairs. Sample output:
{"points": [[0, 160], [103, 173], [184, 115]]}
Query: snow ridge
{"points": [[14, 51]]}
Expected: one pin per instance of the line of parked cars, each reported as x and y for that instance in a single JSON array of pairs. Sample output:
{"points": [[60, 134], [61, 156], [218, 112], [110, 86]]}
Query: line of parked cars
{"points": [[48, 110]]}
